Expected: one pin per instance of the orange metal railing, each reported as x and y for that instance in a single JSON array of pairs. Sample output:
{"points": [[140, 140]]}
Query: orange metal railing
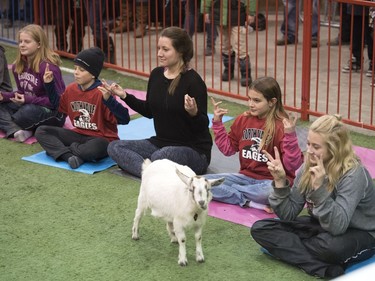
{"points": [[311, 79]]}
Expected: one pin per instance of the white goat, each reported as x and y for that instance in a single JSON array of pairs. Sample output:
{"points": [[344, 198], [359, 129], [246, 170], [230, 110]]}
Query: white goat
{"points": [[176, 194]]}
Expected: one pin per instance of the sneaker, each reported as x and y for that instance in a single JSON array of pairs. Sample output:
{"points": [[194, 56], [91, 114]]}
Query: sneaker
{"points": [[22, 135], [351, 66], [369, 71], [209, 51], [336, 42], [314, 43], [75, 162], [284, 41]]}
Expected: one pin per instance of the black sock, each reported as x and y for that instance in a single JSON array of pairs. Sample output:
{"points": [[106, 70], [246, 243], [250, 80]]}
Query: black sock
{"points": [[66, 156]]}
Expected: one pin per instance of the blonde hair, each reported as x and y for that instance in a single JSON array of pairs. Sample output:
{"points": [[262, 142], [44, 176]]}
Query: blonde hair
{"points": [[183, 44], [45, 53], [341, 157], [269, 88]]}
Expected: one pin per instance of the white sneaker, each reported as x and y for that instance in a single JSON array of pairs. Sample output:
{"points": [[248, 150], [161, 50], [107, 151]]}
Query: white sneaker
{"points": [[369, 71], [351, 66], [22, 135]]}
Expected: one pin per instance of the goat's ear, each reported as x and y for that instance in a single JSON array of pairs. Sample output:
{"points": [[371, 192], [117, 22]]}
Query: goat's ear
{"points": [[185, 178], [216, 182]]}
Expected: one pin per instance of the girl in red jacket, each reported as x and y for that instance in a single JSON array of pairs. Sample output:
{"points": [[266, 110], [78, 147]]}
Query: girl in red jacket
{"points": [[264, 126]]}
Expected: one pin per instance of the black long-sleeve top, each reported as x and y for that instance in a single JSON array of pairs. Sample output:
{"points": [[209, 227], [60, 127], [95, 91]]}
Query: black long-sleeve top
{"points": [[173, 125]]}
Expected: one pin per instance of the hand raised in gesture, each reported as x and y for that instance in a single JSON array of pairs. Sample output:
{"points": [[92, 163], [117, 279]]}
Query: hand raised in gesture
{"points": [[48, 75], [275, 166], [218, 111], [290, 123], [318, 172]]}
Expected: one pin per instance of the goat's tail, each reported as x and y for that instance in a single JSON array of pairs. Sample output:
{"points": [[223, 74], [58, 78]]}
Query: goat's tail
{"points": [[145, 164]]}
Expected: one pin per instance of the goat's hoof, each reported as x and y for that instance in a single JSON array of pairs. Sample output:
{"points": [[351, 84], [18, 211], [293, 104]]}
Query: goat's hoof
{"points": [[199, 257], [183, 263], [135, 237]]}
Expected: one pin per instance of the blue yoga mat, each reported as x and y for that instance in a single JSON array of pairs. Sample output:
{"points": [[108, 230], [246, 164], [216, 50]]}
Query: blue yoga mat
{"points": [[142, 128], [139, 128], [350, 268], [86, 168]]}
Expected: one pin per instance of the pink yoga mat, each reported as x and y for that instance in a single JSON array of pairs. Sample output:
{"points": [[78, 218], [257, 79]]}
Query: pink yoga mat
{"points": [[236, 214], [139, 94], [28, 141], [367, 157]]}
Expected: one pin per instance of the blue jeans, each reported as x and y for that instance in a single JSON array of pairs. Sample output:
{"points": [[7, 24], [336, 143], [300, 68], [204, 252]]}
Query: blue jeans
{"points": [[212, 34], [291, 16], [238, 189], [130, 154]]}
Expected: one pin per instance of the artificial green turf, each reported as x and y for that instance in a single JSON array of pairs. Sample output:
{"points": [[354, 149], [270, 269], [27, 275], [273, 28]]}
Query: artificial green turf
{"points": [[61, 225]]}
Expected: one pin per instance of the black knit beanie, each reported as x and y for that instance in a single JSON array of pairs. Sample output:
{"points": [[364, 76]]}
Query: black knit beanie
{"points": [[91, 59]]}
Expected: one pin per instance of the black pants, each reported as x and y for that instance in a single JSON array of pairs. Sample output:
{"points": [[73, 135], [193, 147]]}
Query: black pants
{"points": [[27, 117], [58, 141], [305, 244], [359, 23]]}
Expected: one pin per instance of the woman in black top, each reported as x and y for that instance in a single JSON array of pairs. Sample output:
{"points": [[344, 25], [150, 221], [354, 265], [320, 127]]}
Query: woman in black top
{"points": [[177, 101]]}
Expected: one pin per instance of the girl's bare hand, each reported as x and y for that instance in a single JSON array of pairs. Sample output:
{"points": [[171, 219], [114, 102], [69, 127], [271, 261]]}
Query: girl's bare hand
{"points": [[218, 111], [18, 99], [318, 173], [276, 168], [48, 75], [290, 123]]}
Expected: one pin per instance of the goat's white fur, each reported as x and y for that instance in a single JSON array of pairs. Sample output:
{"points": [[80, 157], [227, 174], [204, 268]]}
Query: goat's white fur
{"points": [[176, 194]]}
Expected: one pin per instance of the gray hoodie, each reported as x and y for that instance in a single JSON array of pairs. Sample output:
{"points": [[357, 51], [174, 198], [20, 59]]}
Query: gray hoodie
{"points": [[350, 205]]}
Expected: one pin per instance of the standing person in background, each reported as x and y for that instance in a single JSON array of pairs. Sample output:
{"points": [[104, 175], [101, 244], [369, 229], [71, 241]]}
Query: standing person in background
{"points": [[192, 24], [124, 22], [177, 101], [362, 35], [96, 13], [192, 15], [28, 107], [343, 38], [340, 197], [141, 18], [68, 12], [234, 18], [289, 27], [92, 110], [212, 33], [266, 125], [13, 13], [5, 83]]}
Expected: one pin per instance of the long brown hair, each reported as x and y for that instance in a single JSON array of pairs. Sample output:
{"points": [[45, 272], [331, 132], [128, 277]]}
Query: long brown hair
{"points": [[45, 53], [269, 88], [182, 43]]}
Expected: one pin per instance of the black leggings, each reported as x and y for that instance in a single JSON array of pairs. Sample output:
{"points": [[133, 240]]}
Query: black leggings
{"points": [[305, 244]]}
